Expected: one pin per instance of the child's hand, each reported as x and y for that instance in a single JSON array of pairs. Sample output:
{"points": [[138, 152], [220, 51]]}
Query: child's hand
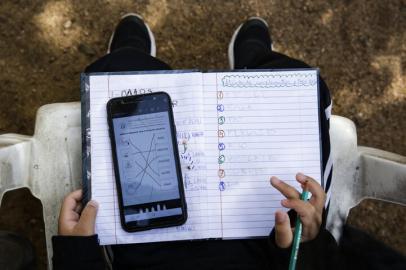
{"points": [[72, 220], [310, 212]]}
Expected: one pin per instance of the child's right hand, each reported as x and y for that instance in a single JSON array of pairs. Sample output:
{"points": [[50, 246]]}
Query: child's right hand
{"points": [[310, 212], [72, 220]]}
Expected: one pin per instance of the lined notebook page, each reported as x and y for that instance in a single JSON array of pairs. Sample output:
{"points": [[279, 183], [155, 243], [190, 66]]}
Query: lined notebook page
{"points": [[185, 90], [212, 153], [234, 131], [258, 124]]}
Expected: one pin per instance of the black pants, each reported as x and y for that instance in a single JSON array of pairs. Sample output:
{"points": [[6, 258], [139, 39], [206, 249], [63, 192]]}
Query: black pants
{"points": [[232, 254]]}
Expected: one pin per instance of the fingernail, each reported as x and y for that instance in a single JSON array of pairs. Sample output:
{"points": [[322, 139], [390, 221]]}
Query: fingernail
{"points": [[301, 177], [284, 202], [93, 203], [275, 180], [280, 217]]}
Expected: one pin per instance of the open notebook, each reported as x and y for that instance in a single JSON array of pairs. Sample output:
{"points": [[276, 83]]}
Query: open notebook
{"points": [[234, 131]]}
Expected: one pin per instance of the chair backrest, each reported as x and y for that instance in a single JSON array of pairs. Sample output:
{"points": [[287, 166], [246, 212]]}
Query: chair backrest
{"points": [[49, 164], [360, 172]]}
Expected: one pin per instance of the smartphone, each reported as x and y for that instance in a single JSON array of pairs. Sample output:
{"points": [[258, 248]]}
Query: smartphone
{"points": [[146, 162]]}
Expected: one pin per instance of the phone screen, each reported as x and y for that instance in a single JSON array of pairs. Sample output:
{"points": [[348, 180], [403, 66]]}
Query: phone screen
{"points": [[147, 165]]}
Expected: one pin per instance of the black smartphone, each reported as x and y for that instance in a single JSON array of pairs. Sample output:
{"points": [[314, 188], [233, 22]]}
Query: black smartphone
{"points": [[146, 162]]}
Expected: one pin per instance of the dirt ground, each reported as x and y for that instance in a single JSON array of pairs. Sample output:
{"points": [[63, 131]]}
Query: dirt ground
{"points": [[359, 46]]}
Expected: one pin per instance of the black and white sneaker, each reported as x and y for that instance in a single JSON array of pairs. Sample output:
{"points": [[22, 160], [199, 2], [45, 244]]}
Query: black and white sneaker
{"points": [[132, 31], [249, 43]]}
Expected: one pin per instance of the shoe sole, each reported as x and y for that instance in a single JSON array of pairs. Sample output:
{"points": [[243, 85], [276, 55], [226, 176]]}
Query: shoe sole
{"points": [[150, 34], [232, 41]]}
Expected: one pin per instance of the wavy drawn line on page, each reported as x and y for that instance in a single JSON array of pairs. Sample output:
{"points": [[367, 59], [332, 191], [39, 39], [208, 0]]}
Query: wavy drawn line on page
{"points": [[270, 81]]}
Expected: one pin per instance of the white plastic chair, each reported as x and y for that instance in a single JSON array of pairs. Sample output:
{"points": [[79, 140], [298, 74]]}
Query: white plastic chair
{"points": [[49, 164], [360, 172]]}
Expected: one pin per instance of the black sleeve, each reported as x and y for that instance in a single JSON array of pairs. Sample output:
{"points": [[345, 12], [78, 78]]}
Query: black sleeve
{"points": [[320, 253], [77, 252]]}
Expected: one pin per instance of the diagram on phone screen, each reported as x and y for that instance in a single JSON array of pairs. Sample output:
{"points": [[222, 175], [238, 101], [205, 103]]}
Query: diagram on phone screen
{"points": [[145, 157]]}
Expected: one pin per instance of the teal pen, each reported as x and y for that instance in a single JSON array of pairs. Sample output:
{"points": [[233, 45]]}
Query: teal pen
{"points": [[298, 234]]}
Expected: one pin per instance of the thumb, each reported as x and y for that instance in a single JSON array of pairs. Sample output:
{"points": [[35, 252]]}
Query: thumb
{"points": [[283, 232], [88, 219]]}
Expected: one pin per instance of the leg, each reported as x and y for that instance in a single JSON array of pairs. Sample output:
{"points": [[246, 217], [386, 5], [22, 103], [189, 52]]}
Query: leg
{"points": [[251, 47], [132, 48], [126, 59], [135, 54]]}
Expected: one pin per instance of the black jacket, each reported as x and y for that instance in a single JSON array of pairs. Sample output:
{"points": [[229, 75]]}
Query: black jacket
{"points": [[85, 253], [357, 250]]}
